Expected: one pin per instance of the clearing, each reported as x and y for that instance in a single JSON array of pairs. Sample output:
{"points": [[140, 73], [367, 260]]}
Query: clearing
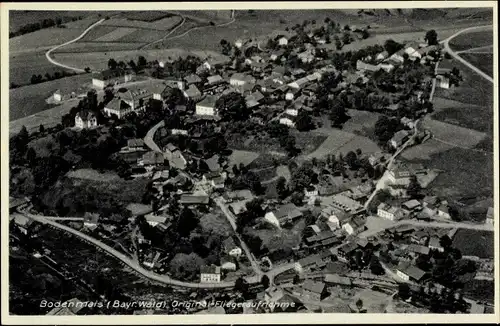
{"points": [[91, 174], [453, 134], [275, 239], [471, 40], [483, 61], [246, 157]]}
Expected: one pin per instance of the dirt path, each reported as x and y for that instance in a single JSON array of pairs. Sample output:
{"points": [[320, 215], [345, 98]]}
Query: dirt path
{"points": [[167, 35]]}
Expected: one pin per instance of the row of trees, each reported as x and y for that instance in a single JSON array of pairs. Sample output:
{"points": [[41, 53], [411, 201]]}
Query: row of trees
{"points": [[36, 79], [45, 23]]}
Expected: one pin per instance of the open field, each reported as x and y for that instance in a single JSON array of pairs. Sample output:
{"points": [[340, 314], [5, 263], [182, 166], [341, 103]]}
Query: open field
{"points": [[99, 48], [340, 141], [49, 118], [161, 25], [116, 34], [361, 122], [483, 61], [425, 151], [90, 174], [474, 243], [461, 114], [19, 18], [472, 40], [465, 172], [147, 16], [30, 99], [246, 157], [454, 134], [97, 32]]}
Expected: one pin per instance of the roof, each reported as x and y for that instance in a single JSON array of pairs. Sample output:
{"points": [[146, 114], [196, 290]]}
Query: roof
{"points": [[213, 163], [418, 249], [214, 79], [411, 204], [229, 243], [156, 218], [85, 115], [337, 279], [400, 135], [348, 247], [194, 199], [309, 260], [412, 271], [360, 65], [430, 200], [210, 269], [91, 217], [489, 213], [192, 91], [288, 210], [312, 286], [22, 220], [136, 142], [117, 104], [357, 222], [192, 79], [139, 209], [243, 77], [109, 74], [208, 101], [434, 242], [152, 157], [14, 202]]}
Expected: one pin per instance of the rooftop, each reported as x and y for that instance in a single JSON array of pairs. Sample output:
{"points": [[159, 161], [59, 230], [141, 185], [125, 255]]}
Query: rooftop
{"points": [[208, 101], [312, 286]]}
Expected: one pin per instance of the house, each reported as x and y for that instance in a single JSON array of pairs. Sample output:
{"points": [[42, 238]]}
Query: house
{"points": [[399, 138], [346, 204], [85, 120], [231, 248], [443, 81], [419, 237], [336, 218], [354, 226], [174, 157], [192, 199], [391, 213], [388, 67], [306, 56], [409, 272], [412, 205], [310, 191], [335, 279], [292, 111], [192, 93], [299, 83], [192, 79], [489, 216], [16, 204], [207, 106], [434, 244], [313, 290], [418, 249], [135, 144], [286, 213], [291, 94], [90, 220], [321, 237], [382, 56], [277, 300], [345, 251], [288, 120], [151, 260], [227, 263], [363, 67], [213, 163], [238, 43], [306, 262], [179, 132], [397, 57], [154, 219], [210, 274], [277, 54], [118, 107], [399, 174], [214, 80], [283, 41], [24, 223], [108, 77], [377, 158], [152, 158], [240, 79], [311, 230], [443, 211]]}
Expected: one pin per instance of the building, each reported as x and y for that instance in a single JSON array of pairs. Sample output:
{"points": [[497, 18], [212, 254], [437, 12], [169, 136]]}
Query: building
{"points": [[306, 262], [152, 158], [135, 144], [109, 77], [231, 248], [409, 272], [118, 107], [310, 191], [214, 80], [240, 79], [192, 79], [381, 56], [192, 199], [391, 213], [490, 216], [207, 106], [336, 218], [24, 223], [192, 93], [345, 251], [85, 120], [283, 41], [151, 260], [346, 204], [288, 120], [238, 43], [434, 244], [16, 204], [90, 220], [285, 214], [210, 274], [443, 81], [443, 211], [363, 67], [354, 226], [412, 205], [174, 157], [336, 279], [227, 264], [399, 138], [313, 290], [418, 249], [399, 175]]}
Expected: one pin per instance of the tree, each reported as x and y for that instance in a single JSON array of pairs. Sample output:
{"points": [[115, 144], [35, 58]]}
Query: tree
{"points": [[346, 38], [232, 106], [281, 187], [298, 198], [41, 129], [185, 266], [241, 285], [296, 279], [431, 37], [226, 47], [304, 121], [337, 113], [445, 242], [352, 160], [265, 281], [142, 62], [112, 64], [392, 46], [404, 291], [359, 305], [414, 188]]}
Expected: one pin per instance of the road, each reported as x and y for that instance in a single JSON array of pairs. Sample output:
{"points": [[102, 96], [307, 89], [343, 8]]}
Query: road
{"points": [[148, 140], [447, 48], [232, 220], [126, 260], [47, 54]]}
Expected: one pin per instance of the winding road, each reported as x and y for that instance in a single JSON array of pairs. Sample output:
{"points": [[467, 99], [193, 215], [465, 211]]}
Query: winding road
{"points": [[47, 54]]}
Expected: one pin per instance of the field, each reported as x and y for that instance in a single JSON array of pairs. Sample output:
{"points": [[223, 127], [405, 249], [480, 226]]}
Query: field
{"points": [[28, 100], [453, 134], [472, 40], [246, 157], [461, 114], [279, 239], [474, 243], [19, 18], [161, 25], [339, 141], [483, 61], [361, 122], [115, 35], [90, 174], [147, 16]]}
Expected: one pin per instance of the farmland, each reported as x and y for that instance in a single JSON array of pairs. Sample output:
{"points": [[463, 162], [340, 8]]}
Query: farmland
{"points": [[484, 61], [454, 134], [242, 157], [474, 243], [472, 40]]}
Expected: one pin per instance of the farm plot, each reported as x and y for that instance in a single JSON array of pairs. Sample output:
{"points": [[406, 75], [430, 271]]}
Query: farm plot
{"points": [[23, 65], [456, 135], [147, 16], [461, 114], [425, 150], [100, 48], [42, 39], [361, 122], [483, 61], [161, 25], [238, 157], [116, 34], [472, 40], [97, 32]]}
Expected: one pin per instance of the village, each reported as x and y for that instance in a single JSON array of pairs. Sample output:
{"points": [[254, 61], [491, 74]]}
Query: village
{"points": [[352, 221]]}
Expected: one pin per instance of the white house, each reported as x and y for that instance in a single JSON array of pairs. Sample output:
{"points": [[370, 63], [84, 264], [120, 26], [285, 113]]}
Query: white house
{"points": [[288, 120], [207, 106], [239, 79], [118, 107], [85, 120], [409, 272], [285, 213], [210, 274], [399, 138], [399, 175], [391, 213], [354, 226], [231, 248], [435, 245], [443, 211], [443, 81], [283, 41], [335, 217], [57, 96], [381, 56], [311, 191]]}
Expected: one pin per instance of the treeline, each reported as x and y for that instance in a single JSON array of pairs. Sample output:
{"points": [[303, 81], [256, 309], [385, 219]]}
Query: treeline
{"points": [[45, 23], [36, 79]]}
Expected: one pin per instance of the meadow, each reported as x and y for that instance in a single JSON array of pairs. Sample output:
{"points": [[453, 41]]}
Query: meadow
{"points": [[482, 246], [472, 40], [483, 61]]}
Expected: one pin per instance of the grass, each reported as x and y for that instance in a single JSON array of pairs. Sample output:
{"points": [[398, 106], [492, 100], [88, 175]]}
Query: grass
{"points": [[483, 61], [19, 18], [472, 40], [465, 173], [90, 174], [474, 243], [162, 25], [461, 114], [147, 16], [116, 34], [361, 122], [215, 223], [278, 239], [454, 134], [28, 100], [246, 157]]}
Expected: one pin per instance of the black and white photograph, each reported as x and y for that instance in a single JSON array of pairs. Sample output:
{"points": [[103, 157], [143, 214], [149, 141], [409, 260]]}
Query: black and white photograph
{"points": [[232, 160]]}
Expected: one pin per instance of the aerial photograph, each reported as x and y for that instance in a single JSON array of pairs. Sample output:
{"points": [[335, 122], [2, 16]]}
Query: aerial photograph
{"points": [[249, 161]]}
